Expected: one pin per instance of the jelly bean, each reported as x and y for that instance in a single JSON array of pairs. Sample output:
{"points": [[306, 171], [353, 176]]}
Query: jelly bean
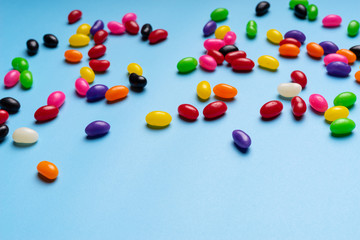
{"points": [[318, 102], [98, 25], [74, 16], [312, 12], [214, 109], [274, 36], [271, 109], [97, 129], [56, 99], [187, 64], [9, 104], [12, 78], [290, 41], [81, 86], [46, 113], [207, 62], [137, 81], [129, 17], [73, 56], [251, 29], [351, 57], [299, 77], [315, 50], [48, 170], [32, 46], [339, 69], [79, 40], [221, 31], [334, 57], [336, 112], [230, 38], [87, 74], [132, 27], [293, 3], [203, 90], [116, 93], [157, 35], [241, 139], [346, 99], [20, 64], [96, 92], [357, 76], [100, 36], [26, 79], [289, 50], [116, 27], [353, 28], [4, 131], [296, 34], [99, 65], [225, 91], [97, 51], [188, 112], [83, 29], [158, 119], [215, 44], [242, 64], [342, 126], [219, 58], [134, 68], [329, 47], [50, 40], [300, 11], [228, 49], [25, 135], [262, 8], [331, 20], [268, 62], [4, 115], [231, 56], [219, 14], [146, 30], [356, 50], [298, 106], [209, 28], [289, 90]]}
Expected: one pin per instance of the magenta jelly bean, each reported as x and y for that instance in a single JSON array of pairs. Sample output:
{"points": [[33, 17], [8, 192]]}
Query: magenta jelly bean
{"points": [[56, 99], [11, 78], [331, 20], [214, 44], [207, 62], [81, 86], [116, 27], [230, 38], [129, 17], [334, 57], [209, 28], [318, 102]]}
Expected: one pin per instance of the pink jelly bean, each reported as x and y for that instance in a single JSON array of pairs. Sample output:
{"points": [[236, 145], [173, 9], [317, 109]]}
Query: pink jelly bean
{"points": [[332, 20], [116, 27], [207, 62], [334, 57], [56, 99], [214, 44], [230, 38], [11, 78], [81, 86], [318, 102], [129, 17]]}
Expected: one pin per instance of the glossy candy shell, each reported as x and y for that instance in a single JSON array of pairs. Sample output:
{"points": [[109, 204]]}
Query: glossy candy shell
{"points": [[158, 118], [339, 69], [48, 170], [187, 64], [242, 64], [74, 16], [11, 78], [271, 109], [329, 47], [4, 115], [209, 28], [219, 14], [289, 50], [158, 35], [25, 135], [342, 126], [97, 51], [241, 139], [73, 56], [225, 91], [9, 104], [116, 27], [56, 99], [331, 20], [207, 62], [132, 27], [234, 55], [215, 44], [99, 65], [346, 99], [98, 25], [116, 93], [298, 106], [96, 92], [203, 90], [214, 109], [296, 34], [137, 81], [318, 103], [268, 62], [315, 50], [97, 128], [334, 57], [100, 36], [81, 86], [46, 113], [336, 112], [299, 77], [188, 111], [290, 41], [219, 58]]}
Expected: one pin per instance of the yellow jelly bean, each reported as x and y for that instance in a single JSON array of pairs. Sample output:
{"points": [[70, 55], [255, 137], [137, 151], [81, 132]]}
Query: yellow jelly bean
{"points": [[336, 112], [135, 68], [274, 36], [87, 74], [158, 119], [84, 29], [221, 31], [203, 90], [79, 40], [268, 62]]}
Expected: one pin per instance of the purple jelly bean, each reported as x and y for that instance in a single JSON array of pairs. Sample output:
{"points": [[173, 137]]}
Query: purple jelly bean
{"points": [[97, 128], [98, 25], [209, 28], [241, 139], [329, 47], [339, 69], [300, 36], [96, 92]]}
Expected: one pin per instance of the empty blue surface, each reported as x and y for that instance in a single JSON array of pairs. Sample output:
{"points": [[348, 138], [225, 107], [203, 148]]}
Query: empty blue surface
{"points": [[187, 181]]}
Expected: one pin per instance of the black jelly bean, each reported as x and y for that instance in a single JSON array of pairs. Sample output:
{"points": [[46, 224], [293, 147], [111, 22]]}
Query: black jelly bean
{"points": [[50, 40], [146, 30], [227, 49], [300, 11], [9, 104], [32, 46], [356, 50], [262, 8], [137, 81], [4, 130]]}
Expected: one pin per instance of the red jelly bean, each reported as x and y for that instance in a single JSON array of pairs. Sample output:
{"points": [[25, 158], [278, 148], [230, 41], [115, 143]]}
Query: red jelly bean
{"points": [[299, 77], [188, 111], [242, 64], [97, 51], [219, 58], [298, 106], [132, 27], [4, 115], [271, 109], [290, 41], [158, 35], [231, 56], [99, 65], [74, 16], [214, 109], [46, 113], [100, 36]]}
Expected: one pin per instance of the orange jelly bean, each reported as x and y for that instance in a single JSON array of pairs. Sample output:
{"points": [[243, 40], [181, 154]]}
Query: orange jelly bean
{"points": [[73, 56], [314, 50], [357, 76], [351, 57], [289, 50], [116, 93], [223, 90], [48, 170]]}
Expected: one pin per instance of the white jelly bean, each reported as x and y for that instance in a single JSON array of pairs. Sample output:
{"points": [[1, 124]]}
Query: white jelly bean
{"points": [[25, 135], [289, 89]]}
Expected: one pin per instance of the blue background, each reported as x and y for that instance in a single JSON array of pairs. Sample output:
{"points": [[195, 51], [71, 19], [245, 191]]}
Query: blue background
{"points": [[187, 181]]}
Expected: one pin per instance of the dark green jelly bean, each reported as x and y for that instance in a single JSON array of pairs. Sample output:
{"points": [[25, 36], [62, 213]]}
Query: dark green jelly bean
{"points": [[346, 99], [32, 46], [300, 11], [251, 29], [50, 40], [219, 14], [342, 126], [293, 3], [312, 12], [9, 104], [4, 130], [137, 81], [187, 64], [26, 79], [20, 64], [353, 28], [146, 30]]}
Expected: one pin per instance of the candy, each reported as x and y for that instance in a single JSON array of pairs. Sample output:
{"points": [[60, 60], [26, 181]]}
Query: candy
{"points": [[146, 30], [26, 79], [187, 64], [228, 49], [50, 40], [296, 34], [268, 62], [12, 78], [289, 90], [79, 40], [214, 109], [271, 109], [74, 16], [357, 76], [4, 130], [336, 112], [129, 17], [219, 14], [342, 126], [219, 58], [158, 119], [25, 135], [274, 36], [329, 47], [241, 139], [137, 81], [334, 57], [315, 50], [262, 8], [97, 129], [48, 170], [96, 92], [83, 29], [116, 27], [356, 50], [73, 56], [99, 65], [312, 12], [81, 86], [132, 27], [299, 77], [338, 69], [100, 36], [346, 99], [56, 99], [318, 102], [134, 68], [230, 38], [209, 28], [290, 41], [289, 50], [221, 31], [331, 20], [32, 46], [351, 57], [9, 104], [215, 44], [353, 28], [242, 64], [157, 35], [188, 112], [231, 56], [4, 115], [98, 25], [207, 62], [225, 91], [251, 29], [46, 113], [20, 64], [203, 90], [298, 106], [116, 93], [300, 11], [293, 3], [97, 51], [87, 74]]}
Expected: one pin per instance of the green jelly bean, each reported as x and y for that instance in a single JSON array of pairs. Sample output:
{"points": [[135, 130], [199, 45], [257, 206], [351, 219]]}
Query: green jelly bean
{"points": [[20, 64], [26, 79], [342, 126], [312, 12], [219, 14], [346, 99], [353, 28], [293, 3], [251, 29], [187, 64]]}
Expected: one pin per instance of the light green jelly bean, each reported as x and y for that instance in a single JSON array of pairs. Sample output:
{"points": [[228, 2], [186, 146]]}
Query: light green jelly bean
{"points": [[353, 28], [187, 64], [312, 12], [346, 99], [26, 79], [293, 3], [219, 14], [20, 64], [342, 126], [251, 29]]}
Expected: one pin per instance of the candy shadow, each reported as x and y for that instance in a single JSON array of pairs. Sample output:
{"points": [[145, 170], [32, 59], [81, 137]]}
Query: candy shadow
{"points": [[205, 70], [316, 112], [30, 54], [44, 179], [288, 57], [213, 119], [242, 71], [269, 119], [240, 149], [137, 89], [275, 44], [78, 95], [201, 100], [116, 101], [328, 122], [341, 135], [71, 63], [144, 39], [186, 120], [52, 47], [96, 137], [298, 119], [44, 122], [185, 73], [158, 42], [23, 145], [5, 87], [250, 37], [332, 27], [332, 76], [95, 100], [314, 58], [116, 34], [284, 98], [156, 127], [267, 69], [225, 99], [101, 73]]}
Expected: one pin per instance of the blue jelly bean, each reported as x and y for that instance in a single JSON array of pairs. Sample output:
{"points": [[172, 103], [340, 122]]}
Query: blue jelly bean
{"points": [[329, 47], [298, 35], [96, 92], [241, 139], [97, 128], [98, 25], [209, 28], [339, 69]]}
